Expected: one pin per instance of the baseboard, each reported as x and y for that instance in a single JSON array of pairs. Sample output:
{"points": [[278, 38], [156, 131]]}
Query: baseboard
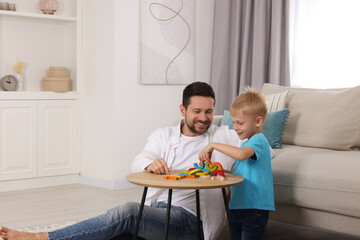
{"points": [[29, 183], [107, 184], [121, 184]]}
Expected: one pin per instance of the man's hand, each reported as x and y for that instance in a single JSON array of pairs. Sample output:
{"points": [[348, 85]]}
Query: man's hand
{"points": [[158, 166], [205, 154]]}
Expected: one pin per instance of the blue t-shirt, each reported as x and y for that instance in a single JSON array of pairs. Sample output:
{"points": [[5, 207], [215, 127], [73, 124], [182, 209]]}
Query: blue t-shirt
{"points": [[256, 191]]}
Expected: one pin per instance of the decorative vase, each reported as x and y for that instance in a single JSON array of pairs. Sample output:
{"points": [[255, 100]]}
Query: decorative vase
{"points": [[19, 82], [48, 6]]}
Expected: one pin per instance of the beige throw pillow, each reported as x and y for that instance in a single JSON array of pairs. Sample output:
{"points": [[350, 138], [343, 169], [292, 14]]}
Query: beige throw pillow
{"points": [[276, 102], [323, 118]]}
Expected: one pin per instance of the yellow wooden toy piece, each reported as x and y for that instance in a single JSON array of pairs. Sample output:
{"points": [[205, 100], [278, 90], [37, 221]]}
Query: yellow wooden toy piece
{"points": [[192, 172], [201, 173]]}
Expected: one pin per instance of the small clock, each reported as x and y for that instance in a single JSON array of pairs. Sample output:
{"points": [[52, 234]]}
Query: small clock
{"points": [[8, 83]]}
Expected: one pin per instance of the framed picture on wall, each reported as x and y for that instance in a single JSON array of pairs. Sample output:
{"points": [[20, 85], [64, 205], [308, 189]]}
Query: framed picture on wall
{"points": [[168, 41]]}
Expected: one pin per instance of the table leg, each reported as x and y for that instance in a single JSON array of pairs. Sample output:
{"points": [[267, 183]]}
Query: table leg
{"points": [[168, 214], [198, 214], [227, 213], [140, 213]]}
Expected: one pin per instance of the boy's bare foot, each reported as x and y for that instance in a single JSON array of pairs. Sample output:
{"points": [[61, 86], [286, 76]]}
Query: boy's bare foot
{"points": [[9, 234]]}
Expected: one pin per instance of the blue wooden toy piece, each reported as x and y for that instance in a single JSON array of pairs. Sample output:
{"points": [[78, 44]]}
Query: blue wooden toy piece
{"points": [[202, 165]]}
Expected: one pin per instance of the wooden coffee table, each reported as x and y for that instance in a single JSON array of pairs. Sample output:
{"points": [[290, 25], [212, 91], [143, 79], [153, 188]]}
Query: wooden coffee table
{"points": [[156, 181]]}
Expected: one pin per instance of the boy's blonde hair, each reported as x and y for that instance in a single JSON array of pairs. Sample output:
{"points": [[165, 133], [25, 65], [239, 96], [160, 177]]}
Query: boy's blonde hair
{"points": [[249, 102]]}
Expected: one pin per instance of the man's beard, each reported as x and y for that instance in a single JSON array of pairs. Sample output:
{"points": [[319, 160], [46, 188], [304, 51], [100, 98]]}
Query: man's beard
{"points": [[193, 129]]}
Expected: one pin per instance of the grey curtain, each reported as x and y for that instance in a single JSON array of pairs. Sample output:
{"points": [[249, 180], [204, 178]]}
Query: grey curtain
{"points": [[250, 47]]}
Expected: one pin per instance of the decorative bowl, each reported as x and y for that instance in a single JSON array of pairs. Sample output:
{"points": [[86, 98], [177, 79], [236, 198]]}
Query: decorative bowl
{"points": [[48, 6]]}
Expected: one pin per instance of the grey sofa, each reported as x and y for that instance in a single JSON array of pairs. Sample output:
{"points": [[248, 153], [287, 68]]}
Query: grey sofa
{"points": [[317, 172]]}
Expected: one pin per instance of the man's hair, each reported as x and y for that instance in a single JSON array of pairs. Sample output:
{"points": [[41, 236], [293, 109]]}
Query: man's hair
{"points": [[197, 89], [249, 102]]}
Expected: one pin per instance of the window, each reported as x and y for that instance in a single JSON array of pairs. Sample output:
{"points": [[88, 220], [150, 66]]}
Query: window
{"points": [[325, 43]]}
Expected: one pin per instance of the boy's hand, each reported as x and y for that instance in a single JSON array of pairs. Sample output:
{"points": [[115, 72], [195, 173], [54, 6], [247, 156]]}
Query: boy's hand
{"points": [[158, 166], [205, 154]]}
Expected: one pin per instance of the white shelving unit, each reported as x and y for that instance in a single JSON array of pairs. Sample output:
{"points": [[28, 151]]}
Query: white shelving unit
{"points": [[40, 130], [41, 41], [38, 16]]}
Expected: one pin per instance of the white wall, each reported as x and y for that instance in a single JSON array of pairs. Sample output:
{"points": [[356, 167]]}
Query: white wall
{"points": [[139, 109], [119, 116], [97, 107]]}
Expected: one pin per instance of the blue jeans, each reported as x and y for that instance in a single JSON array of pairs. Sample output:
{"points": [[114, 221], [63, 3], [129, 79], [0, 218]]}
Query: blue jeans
{"points": [[249, 224], [119, 223]]}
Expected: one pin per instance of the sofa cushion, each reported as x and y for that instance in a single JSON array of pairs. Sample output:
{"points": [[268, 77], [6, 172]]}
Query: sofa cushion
{"points": [[316, 178], [217, 120], [273, 127], [226, 119], [323, 118], [276, 102]]}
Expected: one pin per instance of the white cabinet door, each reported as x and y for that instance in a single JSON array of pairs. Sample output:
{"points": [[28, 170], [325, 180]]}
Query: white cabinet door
{"points": [[18, 139], [59, 137]]}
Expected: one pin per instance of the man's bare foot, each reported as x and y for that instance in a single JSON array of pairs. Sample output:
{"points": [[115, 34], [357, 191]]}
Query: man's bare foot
{"points": [[9, 234]]}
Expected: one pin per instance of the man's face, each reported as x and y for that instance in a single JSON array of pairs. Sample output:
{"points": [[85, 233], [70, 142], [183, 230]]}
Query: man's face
{"points": [[198, 115]]}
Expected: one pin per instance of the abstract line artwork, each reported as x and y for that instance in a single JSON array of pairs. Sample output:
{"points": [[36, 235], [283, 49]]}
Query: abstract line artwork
{"points": [[168, 41]]}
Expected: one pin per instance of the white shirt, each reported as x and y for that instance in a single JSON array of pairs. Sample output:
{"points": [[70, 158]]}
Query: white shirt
{"points": [[186, 155], [163, 143]]}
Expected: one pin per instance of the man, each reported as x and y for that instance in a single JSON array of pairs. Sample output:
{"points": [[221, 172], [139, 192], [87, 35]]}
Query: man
{"points": [[167, 148]]}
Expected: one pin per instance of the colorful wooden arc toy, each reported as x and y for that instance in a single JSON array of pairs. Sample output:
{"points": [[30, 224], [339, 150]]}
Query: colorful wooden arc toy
{"points": [[209, 169]]}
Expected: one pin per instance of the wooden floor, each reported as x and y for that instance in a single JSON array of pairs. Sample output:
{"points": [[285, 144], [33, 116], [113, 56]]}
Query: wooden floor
{"points": [[44, 207], [283, 231], [59, 205]]}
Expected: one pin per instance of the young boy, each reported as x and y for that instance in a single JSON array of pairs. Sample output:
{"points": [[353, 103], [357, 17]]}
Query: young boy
{"points": [[251, 200]]}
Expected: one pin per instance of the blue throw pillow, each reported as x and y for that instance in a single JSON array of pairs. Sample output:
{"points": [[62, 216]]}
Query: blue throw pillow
{"points": [[273, 127], [226, 119]]}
